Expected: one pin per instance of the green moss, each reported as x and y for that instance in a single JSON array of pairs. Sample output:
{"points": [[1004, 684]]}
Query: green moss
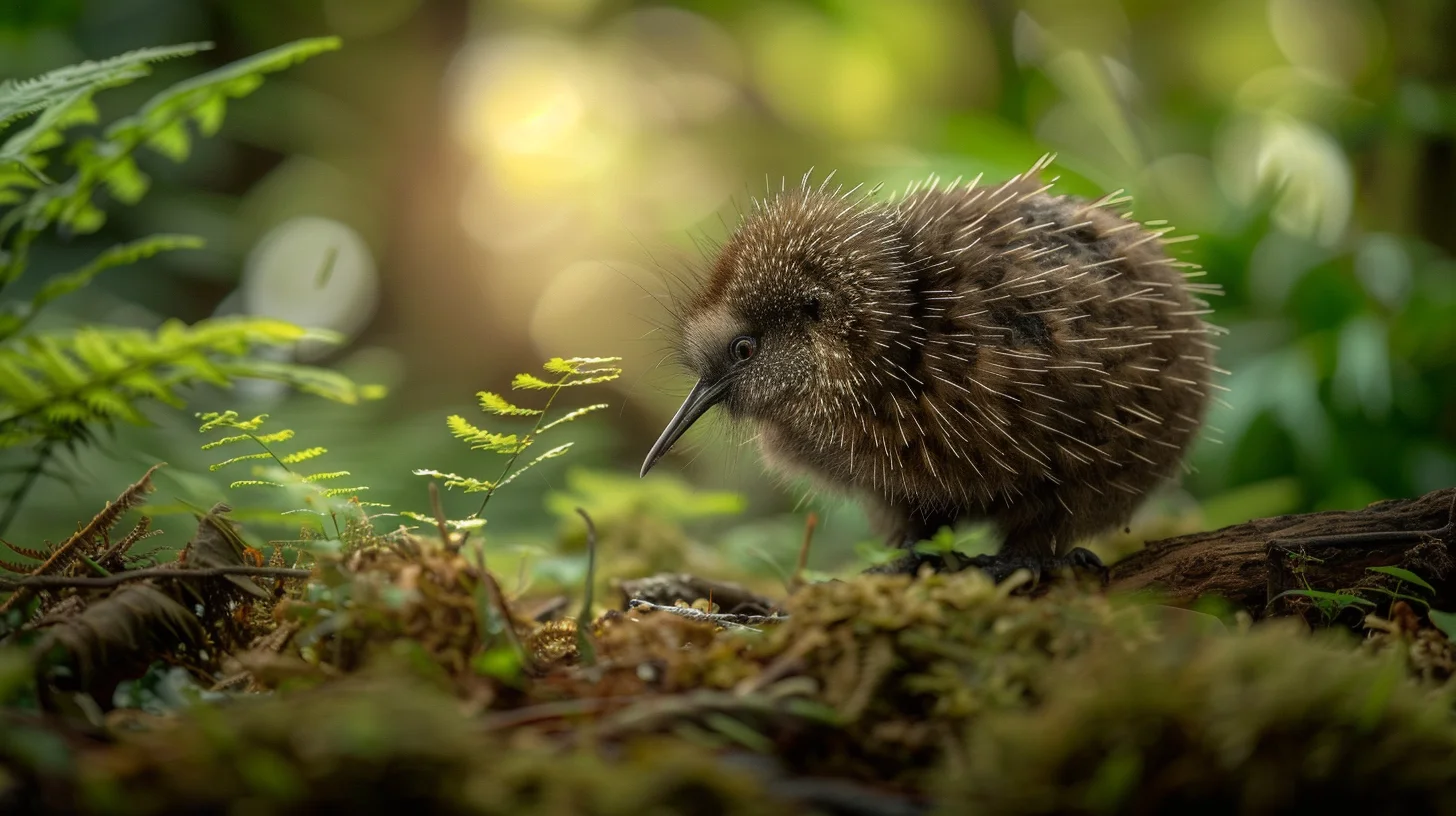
{"points": [[373, 745], [1269, 722]]}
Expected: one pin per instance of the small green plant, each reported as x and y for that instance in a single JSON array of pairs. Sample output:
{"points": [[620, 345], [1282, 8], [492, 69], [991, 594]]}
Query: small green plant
{"points": [[275, 468], [569, 372], [1332, 604], [57, 387]]}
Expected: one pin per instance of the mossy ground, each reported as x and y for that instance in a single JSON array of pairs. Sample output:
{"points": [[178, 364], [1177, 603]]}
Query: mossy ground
{"points": [[390, 682]]}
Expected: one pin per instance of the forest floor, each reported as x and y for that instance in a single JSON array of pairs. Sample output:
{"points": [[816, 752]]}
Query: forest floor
{"points": [[396, 674]]}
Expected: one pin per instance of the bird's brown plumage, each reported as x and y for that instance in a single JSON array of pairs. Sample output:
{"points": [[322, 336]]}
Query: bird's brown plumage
{"points": [[961, 352]]}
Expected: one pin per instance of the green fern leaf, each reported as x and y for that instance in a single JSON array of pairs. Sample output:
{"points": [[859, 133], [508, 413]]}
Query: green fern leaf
{"points": [[571, 416], [550, 454], [106, 403], [16, 385], [243, 458], [229, 419], [276, 437], [493, 403], [24, 97], [18, 152], [227, 440], [330, 385], [336, 492], [160, 124], [61, 285], [530, 382], [160, 121], [454, 524], [593, 380], [303, 455], [320, 477], [253, 482], [461, 427]]}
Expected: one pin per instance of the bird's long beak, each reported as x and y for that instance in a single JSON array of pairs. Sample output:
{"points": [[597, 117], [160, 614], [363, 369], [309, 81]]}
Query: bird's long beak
{"points": [[704, 395]]}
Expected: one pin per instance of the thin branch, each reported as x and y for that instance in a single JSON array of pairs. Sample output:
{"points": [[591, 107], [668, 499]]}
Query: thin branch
{"points": [[797, 579], [32, 474], [584, 646], [718, 619], [61, 581]]}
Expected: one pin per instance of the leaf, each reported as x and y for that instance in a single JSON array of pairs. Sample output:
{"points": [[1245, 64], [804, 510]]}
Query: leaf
{"points": [[244, 458], [159, 121], [493, 403], [1445, 621], [1338, 600], [217, 544], [530, 382], [23, 97], [571, 416], [1404, 575], [303, 455], [117, 637], [119, 255], [550, 454]]}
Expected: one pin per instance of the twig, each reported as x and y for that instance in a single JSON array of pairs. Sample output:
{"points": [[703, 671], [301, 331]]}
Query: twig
{"points": [[32, 474], [445, 537], [60, 581], [726, 621], [797, 579], [557, 710], [584, 646]]}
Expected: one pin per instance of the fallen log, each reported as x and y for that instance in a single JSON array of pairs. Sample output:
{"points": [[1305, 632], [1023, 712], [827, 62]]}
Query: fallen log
{"points": [[1252, 563]]}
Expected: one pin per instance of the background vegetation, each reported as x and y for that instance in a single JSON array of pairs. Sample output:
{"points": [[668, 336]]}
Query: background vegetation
{"points": [[467, 188]]}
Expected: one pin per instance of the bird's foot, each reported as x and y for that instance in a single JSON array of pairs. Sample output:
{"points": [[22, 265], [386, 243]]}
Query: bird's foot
{"points": [[1002, 566]]}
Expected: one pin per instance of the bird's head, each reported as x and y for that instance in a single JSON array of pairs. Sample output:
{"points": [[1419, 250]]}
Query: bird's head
{"points": [[793, 308]]}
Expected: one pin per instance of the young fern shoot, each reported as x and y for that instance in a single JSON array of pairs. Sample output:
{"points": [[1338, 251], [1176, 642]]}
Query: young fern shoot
{"points": [[282, 473], [569, 372]]}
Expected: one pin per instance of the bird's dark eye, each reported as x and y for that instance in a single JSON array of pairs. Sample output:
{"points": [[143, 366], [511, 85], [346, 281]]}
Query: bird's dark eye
{"points": [[743, 348]]}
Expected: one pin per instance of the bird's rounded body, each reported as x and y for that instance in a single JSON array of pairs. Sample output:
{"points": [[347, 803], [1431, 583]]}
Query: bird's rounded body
{"points": [[967, 352]]}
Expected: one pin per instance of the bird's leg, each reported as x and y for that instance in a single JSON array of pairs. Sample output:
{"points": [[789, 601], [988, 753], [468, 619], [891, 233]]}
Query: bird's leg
{"points": [[1005, 563]]}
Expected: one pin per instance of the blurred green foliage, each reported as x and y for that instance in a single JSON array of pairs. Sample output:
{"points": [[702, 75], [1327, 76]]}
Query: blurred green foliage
{"points": [[497, 161]]}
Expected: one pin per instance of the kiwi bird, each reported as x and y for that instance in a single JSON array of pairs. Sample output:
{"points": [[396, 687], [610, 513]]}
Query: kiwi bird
{"points": [[958, 352]]}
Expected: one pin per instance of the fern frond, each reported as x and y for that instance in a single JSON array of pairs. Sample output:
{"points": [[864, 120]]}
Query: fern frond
{"points": [[485, 440], [162, 125], [254, 482], [454, 524], [550, 454], [575, 365], [300, 456], [227, 440], [325, 476], [19, 313], [454, 480], [571, 416], [87, 537], [34, 555], [101, 375], [530, 382], [336, 492], [229, 419], [203, 99], [23, 97], [493, 403], [461, 427], [244, 458]]}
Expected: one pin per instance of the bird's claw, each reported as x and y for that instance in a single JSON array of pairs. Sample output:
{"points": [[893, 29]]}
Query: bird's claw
{"points": [[1079, 559]]}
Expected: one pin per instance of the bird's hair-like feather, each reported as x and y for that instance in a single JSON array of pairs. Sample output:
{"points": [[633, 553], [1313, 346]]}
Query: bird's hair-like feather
{"points": [[962, 350]]}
